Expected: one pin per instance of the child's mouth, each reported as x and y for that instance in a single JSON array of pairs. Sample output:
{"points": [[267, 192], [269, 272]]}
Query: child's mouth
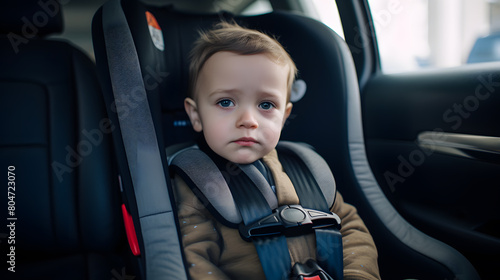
{"points": [[246, 141]]}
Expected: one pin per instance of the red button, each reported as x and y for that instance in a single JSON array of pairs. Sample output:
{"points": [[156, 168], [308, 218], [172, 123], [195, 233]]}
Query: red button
{"points": [[130, 230], [312, 278]]}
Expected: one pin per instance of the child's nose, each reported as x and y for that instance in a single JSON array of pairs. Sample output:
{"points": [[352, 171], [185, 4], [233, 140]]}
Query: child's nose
{"points": [[247, 120]]}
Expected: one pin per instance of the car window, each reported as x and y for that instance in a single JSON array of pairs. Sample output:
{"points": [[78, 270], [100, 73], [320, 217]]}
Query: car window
{"points": [[322, 10], [325, 11], [257, 8], [77, 23], [419, 34]]}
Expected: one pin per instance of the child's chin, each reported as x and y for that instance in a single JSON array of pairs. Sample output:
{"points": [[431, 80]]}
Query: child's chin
{"points": [[244, 159], [238, 161], [245, 155]]}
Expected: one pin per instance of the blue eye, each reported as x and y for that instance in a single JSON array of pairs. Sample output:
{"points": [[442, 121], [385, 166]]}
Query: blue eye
{"points": [[266, 105], [225, 103]]}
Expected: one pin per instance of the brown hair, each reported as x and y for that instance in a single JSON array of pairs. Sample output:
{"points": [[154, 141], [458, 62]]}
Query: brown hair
{"points": [[234, 38]]}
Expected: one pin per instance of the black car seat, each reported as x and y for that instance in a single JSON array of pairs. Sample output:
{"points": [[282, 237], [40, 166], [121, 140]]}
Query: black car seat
{"points": [[60, 199], [141, 52]]}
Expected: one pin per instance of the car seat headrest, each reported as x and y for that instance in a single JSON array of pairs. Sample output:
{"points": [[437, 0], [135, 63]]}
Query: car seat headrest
{"points": [[164, 36], [31, 18]]}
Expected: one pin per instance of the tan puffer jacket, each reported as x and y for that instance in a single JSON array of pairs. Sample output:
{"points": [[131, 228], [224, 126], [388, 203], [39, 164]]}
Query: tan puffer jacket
{"points": [[215, 251]]}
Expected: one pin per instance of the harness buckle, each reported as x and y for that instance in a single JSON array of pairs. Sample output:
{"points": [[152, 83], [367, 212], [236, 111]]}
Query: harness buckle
{"points": [[290, 220], [309, 271]]}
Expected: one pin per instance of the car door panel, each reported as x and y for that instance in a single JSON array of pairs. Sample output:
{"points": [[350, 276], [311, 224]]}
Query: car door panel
{"points": [[432, 140]]}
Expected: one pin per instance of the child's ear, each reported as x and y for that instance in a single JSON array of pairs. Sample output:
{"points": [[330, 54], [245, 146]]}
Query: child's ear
{"points": [[192, 111], [288, 110]]}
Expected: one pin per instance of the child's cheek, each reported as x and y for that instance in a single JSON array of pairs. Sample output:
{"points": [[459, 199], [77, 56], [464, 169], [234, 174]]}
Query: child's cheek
{"points": [[215, 132], [272, 134]]}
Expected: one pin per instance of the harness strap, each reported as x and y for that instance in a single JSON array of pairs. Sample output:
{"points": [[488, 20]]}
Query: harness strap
{"points": [[254, 199], [273, 251], [244, 195], [310, 175], [329, 252], [305, 169], [207, 183]]}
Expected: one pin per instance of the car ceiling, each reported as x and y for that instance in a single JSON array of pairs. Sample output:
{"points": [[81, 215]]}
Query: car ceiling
{"points": [[197, 6]]}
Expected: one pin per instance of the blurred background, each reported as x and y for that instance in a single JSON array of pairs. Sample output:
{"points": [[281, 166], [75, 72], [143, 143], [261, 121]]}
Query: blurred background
{"points": [[412, 34], [416, 34]]}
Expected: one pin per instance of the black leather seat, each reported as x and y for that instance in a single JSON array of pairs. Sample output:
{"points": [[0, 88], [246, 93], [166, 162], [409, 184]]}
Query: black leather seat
{"points": [[328, 117], [55, 138]]}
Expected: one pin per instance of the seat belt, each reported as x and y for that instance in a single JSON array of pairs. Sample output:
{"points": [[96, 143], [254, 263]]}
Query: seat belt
{"points": [[252, 196], [306, 171], [272, 251], [240, 199], [162, 249]]}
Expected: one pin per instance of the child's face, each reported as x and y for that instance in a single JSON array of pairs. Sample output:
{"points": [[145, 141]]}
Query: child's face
{"points": [[240, 105]]}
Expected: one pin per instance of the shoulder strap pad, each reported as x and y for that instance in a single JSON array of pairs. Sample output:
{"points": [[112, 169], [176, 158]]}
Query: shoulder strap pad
{"points": [[206, 181], [318, 168]]}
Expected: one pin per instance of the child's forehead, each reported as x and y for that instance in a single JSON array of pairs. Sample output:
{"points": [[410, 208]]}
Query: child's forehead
{"points": [[231, 55], [226, 61]]}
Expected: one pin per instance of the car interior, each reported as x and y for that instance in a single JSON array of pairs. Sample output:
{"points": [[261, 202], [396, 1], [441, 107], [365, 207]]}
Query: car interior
{"points": [[68, 211], [88, 137]]}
